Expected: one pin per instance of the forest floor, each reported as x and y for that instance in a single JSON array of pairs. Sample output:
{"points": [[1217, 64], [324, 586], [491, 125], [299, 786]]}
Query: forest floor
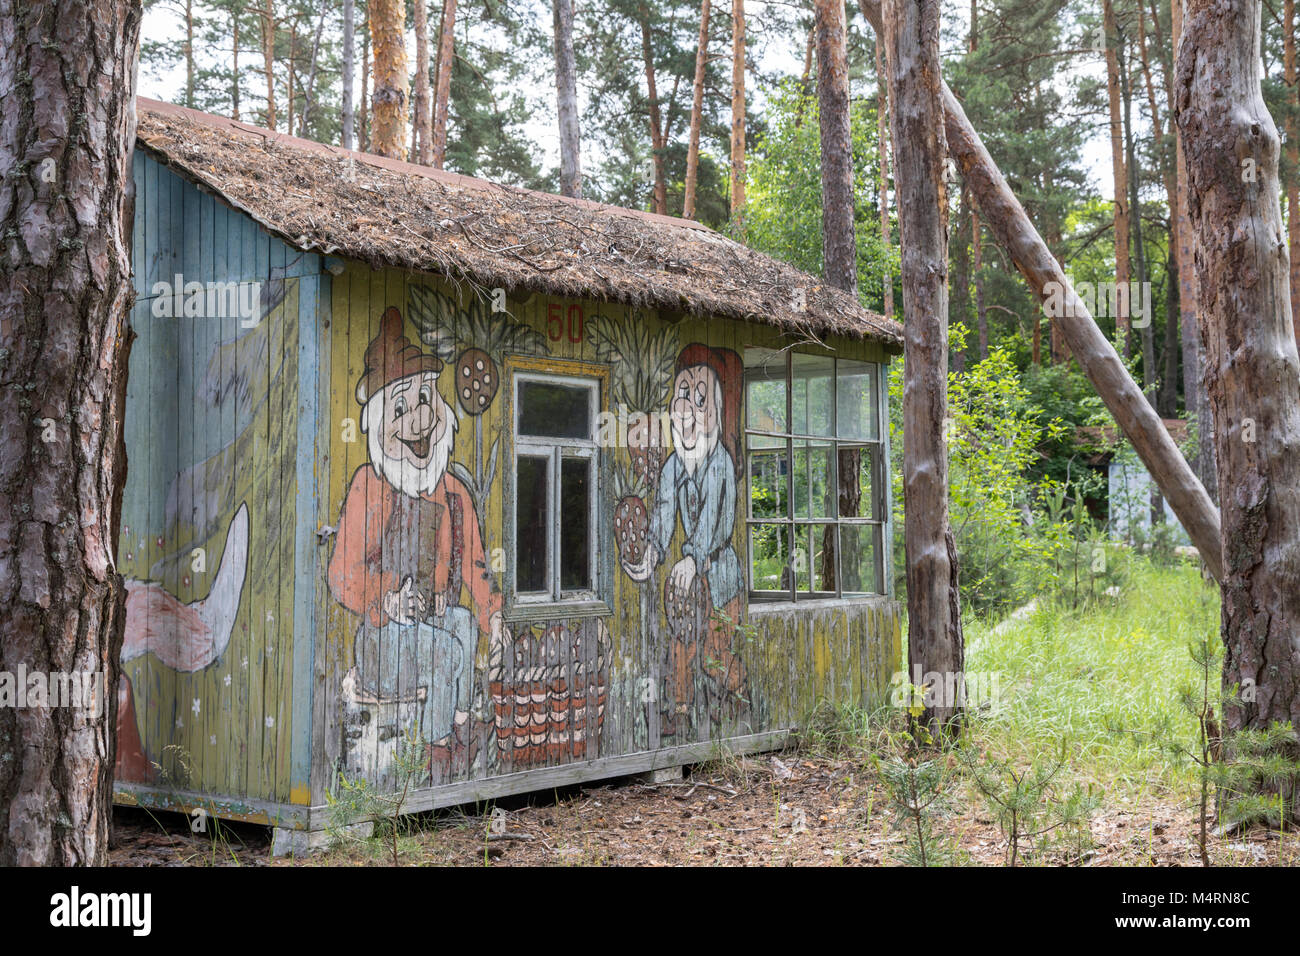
{"points": [[1088, 696]]}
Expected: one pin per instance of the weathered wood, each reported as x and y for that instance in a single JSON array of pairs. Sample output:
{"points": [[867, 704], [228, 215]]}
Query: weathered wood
{"points": [[65, 211], [1096, 356], [839, 241], [933, 599], [1252, 369]]}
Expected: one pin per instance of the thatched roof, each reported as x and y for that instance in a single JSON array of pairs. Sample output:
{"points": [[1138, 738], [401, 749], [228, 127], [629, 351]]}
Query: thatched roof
{"points": [[388, 213]]}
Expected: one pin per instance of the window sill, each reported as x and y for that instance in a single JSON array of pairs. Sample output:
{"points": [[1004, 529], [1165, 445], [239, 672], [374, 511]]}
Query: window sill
{"points": [[555, 611], [760, 606]]}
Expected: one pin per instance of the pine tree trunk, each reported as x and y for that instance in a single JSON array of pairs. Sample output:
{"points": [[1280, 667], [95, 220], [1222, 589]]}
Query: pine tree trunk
{"points": [[839, 242], [349, 58], [882, 138], [697, 114], [267, 14], [189, 53], [656, 119], [1293, 159], [391, 91], [738, 114], [1197, 407], [934, 638], [566, 100], [1119, 171], [290, 79], [234, 69], [309, 95], [64, 329], [1133, 175], [442, 93], [1096, 356], [422, 131], [367, 101], [1252, 368]]}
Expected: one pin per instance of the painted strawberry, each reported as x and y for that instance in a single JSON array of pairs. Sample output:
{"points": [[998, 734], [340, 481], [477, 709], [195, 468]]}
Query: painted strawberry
{"points": [[631, 518], [687, 611]]}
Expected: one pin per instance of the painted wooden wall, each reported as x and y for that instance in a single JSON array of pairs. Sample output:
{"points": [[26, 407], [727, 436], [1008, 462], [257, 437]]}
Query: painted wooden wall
{"points": [[210, 538], [624, 675], [259, 551]]}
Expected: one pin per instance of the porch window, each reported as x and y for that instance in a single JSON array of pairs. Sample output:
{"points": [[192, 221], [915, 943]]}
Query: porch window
{"points": [[814, 460], [555, 487]]}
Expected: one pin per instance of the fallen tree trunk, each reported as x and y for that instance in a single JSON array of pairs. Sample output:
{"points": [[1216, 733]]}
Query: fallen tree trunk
{"points": [[1009, 222]]}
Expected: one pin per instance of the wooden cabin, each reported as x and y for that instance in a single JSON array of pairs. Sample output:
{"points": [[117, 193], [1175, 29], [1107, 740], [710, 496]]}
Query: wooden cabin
{"points": [[548, 490]]}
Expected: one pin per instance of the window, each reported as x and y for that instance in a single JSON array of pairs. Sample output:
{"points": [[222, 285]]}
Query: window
{"points": [[555, 487], [814, 459]]}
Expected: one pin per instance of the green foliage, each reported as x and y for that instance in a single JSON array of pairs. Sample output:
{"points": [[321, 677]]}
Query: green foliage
{"points": [[1034, 808], [784, 212], [919, 782], [357, 800]]}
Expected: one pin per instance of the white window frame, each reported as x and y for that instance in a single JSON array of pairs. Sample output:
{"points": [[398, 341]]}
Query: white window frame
{"points": [[555, 451], [796, 527]]}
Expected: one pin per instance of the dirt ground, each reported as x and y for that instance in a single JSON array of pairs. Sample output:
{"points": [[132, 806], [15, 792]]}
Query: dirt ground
{"points": [[783, 810]]}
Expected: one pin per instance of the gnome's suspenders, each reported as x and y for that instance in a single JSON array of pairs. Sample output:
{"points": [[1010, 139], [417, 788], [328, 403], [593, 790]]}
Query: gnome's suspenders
{"points": [[455, 573]]}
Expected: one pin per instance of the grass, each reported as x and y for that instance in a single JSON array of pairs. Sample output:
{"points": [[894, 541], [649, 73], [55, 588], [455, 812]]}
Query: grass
{"points": [[1103, 678]]}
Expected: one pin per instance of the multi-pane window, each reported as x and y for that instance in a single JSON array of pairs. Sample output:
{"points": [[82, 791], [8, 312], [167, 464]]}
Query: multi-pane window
{"points": [[814, 455], [555, 487]]}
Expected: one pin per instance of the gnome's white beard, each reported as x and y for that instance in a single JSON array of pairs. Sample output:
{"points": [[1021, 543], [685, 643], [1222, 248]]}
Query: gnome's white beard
{"points": [[692, 458], [403, 474]]}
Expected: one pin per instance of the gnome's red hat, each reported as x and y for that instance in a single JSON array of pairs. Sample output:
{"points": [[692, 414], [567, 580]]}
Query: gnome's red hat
{"points": [[730, 370], [391, 356]]}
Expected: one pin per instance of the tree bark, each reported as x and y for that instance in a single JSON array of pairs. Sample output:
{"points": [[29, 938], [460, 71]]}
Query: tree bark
{"points": [[1119, 171], [934, 638], [442, 93], [1133, 175], [367, 101], [1097, 357], [234, 69], [349, 58], [69, 72], [882, 138], [422, 128], [566, 100], [738, 114], [267, 14], [839, 242], [697, 114], [977, 234], [1198, 409], [391, 90], [1293, 158], [656, 118], [309, 95], [1252, 369]]}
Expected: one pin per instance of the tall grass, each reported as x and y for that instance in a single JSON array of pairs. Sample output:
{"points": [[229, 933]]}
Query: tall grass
{"points": [[1103, 678]]}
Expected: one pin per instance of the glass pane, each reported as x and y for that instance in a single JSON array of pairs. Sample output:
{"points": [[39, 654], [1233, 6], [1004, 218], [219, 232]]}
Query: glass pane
{"points": [[532, 512], [769, 549], [813, 479], [858, 559], [819, 575], [857, 466], [575, 518], [765, 441], [765, 389], [856, 401], [550, 410], [768, 495], [813, 385]]}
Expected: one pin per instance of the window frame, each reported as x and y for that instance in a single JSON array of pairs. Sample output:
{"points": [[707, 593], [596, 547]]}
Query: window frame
{"points": [[797, 529], [555, 599]]}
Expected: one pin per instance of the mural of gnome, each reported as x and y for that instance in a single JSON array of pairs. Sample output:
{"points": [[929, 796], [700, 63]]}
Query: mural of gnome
{"points": [[704, 584], [409, 537]]}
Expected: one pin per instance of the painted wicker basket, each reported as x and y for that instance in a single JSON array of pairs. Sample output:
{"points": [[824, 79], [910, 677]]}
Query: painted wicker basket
{"points": [[548, 693]]}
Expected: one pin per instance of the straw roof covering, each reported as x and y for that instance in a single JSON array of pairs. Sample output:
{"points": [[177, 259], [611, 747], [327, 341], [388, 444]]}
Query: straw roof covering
{"points": [[388, 213]]}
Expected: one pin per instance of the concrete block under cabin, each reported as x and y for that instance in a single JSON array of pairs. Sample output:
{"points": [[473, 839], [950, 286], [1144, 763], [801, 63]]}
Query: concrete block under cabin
{"points": [[476, 488]]}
